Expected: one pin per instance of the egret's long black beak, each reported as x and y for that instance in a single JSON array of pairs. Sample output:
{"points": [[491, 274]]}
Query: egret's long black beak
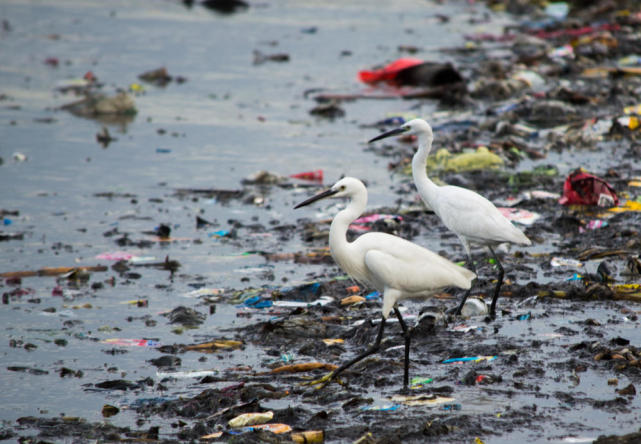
{"points": [[322, 195], [390, 133]]}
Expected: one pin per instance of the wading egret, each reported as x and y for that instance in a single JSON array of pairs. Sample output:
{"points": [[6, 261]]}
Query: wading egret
{"points": [[396, 267], [472, 217]]}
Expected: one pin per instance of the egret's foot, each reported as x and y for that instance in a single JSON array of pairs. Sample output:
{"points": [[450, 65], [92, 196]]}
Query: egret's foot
{"points": [[490, 318], [322, 382]]}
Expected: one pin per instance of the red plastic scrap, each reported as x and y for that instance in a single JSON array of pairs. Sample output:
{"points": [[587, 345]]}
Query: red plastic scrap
{"points": [[316, 176], [581, 188], [389, 72]]}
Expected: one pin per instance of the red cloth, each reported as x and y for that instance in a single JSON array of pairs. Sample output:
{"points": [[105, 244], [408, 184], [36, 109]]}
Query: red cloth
{"points": [[581, 188]]}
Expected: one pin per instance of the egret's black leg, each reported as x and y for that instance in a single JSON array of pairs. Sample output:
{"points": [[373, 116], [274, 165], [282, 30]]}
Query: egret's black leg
{"points": [[373, 349], [408, 337], [467, 293], [498, 284]]}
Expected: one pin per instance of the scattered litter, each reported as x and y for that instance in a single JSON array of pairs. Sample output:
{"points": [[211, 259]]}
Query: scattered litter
{"points": [[581, 188], [381, 408], [481, 159], [422, 400], [419, 382], [468, 359], [248, 419], [474, 307], [314, 176], [323, 300], [333, 341], [308, 437], [565, 262], [464, 327], [521, 216], [186, 374], [303, 367], [131, 342]]}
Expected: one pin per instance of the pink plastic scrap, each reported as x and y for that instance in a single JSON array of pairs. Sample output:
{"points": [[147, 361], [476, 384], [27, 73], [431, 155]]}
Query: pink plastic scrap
{"points": [[316, 176], [115, 256], [581, 188]]}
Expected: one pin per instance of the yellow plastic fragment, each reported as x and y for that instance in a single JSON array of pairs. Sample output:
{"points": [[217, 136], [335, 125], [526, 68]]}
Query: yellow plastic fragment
{"points": [[630, 205], [333, 341]]}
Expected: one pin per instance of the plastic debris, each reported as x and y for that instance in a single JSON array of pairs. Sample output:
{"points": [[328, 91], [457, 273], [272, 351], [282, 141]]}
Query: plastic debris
{"points": [[315, 176], [481, 159], [186, 374], [524, 317], [303, 367], [115, 256], [419, 382], [131, 342], [581, 188], [630, 205], [218, 344], [468, 359], [381, 408], [463, 327], [308, 437], [203, 292], [565, 262], [274, 428], [352, 300], [219, 233], [521, 216], [593, 225], [389, 72], [452, 407], [323, 300], [248, 419], [258, 302], [334, 341], [422, 400], [474, 307]]}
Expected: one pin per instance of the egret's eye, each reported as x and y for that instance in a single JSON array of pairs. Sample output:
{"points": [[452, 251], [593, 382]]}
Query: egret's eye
{"points": [[342, 187]]}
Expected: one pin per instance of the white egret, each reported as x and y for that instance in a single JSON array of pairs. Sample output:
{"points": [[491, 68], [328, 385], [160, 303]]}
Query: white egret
{"points": [[472, 217], [396, 267]]}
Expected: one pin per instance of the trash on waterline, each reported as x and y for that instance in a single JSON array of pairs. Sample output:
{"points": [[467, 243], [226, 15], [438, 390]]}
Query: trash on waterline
{"points": [[248, 419], [131, 342], [474, 307], [315, 176], [186, 374], [565, 262], [581, 188], [419, 382], [422, 400], [303, 367], [308, 437], [520, 216], [468, 359]]}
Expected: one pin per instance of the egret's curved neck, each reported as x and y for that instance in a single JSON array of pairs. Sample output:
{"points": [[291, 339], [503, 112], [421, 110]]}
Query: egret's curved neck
{"points": [[426, 188], [338, 230]]}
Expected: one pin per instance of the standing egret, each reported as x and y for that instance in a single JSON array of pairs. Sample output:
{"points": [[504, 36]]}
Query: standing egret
{"points": [[472, 217], [397, 268]]}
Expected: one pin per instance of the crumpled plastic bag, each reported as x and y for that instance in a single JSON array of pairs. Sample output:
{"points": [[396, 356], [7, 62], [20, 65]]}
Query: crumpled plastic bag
{"points": [[581, 188]]}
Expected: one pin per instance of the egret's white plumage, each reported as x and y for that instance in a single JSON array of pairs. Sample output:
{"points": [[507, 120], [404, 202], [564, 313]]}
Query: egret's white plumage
{"points": [[472, 217], [396, 267]]}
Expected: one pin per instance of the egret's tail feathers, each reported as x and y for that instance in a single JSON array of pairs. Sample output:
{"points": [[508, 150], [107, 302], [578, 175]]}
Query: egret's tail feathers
{"points": [[465, 278]]}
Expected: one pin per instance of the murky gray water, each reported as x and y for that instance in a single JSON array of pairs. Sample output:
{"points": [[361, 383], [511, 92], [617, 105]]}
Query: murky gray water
{"points": [[229, 120]]}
